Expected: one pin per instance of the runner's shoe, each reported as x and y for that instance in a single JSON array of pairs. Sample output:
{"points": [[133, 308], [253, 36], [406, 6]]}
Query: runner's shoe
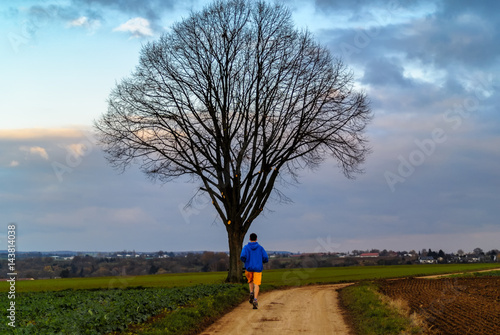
{"points": [[255, 304], [251, 298]]}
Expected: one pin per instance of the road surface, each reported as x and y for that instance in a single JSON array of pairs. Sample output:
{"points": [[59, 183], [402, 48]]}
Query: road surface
{"points": [[301, 310]]}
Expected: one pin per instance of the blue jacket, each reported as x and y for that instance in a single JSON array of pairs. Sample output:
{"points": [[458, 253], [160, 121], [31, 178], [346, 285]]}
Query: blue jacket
{"points": [[254, 255]]}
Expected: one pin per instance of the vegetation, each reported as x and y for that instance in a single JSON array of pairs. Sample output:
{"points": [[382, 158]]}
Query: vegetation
{"points": [[88, 266], [112, 303], [466, 305], [278, 277], [371, 313], [489, 273], [138, 264], [477, 274], [122, 282], [238, 99], [192, 318], [102, 311]]}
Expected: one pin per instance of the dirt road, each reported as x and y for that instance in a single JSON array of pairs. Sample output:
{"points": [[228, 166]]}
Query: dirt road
{"points": [[302, 310], [449, 274]]}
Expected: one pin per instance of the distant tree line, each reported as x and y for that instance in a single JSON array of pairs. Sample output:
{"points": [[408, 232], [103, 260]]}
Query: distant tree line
{"points": [[88, 266], [162, 262]]}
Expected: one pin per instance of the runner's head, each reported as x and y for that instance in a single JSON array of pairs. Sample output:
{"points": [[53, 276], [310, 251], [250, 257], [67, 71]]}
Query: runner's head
{"points": [[253, 237]]}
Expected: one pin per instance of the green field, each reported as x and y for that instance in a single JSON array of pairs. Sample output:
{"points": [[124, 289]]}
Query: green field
{"points": [[186, 301], [277, 278], [164, 280]]}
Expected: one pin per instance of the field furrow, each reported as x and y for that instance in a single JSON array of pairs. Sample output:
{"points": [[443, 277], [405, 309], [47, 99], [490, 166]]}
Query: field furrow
{"points": [[451, 305]]}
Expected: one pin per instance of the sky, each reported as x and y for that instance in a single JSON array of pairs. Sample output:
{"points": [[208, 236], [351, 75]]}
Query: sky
{"points": [[429, 68]]}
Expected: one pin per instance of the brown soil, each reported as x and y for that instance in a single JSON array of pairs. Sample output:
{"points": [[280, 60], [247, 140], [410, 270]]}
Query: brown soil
{"points": [[301, 310], [449, 274], [452, 305]]}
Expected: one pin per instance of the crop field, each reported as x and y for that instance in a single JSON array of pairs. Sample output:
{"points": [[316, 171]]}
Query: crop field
{"points": [[101, 305], [99, 311], [469, 305]]}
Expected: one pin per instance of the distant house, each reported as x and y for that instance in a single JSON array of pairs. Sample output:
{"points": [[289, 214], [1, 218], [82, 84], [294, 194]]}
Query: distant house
{"points": [[473, 258], [369, 254], [426, 260]]}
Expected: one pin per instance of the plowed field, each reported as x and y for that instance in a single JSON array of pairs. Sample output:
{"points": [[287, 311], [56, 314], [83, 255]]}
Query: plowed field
{"points": [[452, 305]]}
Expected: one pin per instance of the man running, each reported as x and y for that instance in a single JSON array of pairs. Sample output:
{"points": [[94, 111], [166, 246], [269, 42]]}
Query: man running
{"points": [[254, 255]]}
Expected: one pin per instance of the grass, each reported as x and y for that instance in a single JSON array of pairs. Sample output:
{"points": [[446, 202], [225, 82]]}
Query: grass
{"points": [[163, 280], [490, 273], [476, 274], [275, 278], [307, 276], [194, 318], [189, 319], [371, 313]]}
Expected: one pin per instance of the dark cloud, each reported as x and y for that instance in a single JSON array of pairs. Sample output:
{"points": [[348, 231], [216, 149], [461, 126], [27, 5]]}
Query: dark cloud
{"points": [[454, 8], [150, 10], [356, 6], [448, 37], [385, 71], [425, 65], [451, 42]]}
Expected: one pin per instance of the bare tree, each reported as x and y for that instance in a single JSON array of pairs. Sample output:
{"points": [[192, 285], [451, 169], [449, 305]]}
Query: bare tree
{"points": [[239, 99]]}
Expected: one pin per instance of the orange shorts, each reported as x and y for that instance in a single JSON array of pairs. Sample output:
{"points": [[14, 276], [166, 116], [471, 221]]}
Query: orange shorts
{"points": [[254, 277]]}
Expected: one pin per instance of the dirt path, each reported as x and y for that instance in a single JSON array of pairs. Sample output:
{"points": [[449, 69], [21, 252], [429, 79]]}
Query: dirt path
{"points": [[449, 274], [302, 310]]}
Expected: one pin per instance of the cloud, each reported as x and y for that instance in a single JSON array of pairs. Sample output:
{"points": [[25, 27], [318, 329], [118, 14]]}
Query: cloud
{"points": [[138, 27], [90, 217], [81, 21], [36, 151], [424, 65], [152, 10], [40, 133], [85, 22], [78, 149], [385, 71]]}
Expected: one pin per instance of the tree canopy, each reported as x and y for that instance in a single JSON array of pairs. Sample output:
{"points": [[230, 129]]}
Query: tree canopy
{"points": [[239, 99]]}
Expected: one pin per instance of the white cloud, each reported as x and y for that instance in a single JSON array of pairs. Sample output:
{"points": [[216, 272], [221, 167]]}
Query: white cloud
{"points": [[85, 22], [138, 27], [81, 21], [78, 149], [14, 164], [36, 151]]}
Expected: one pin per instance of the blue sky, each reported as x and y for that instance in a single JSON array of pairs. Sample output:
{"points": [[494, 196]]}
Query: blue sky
{"points": [[430, 69]]}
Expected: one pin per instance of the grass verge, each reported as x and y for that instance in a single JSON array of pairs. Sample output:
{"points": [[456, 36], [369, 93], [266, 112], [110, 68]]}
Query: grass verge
{"points": [[371, 313], [476, 274]]}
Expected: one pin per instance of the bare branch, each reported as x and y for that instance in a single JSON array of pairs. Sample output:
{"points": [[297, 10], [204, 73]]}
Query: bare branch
{"points": [[238, 98]]}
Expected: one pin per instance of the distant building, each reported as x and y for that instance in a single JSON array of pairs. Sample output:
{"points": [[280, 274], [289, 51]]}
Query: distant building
{"points": [[426, 260], [369, 254]]}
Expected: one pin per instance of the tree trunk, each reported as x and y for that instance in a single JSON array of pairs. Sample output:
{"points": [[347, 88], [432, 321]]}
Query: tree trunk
{"points": [[235, 237]]}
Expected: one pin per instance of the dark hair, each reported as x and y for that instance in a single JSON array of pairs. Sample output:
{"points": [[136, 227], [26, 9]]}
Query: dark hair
{"points": [[253, 237]]}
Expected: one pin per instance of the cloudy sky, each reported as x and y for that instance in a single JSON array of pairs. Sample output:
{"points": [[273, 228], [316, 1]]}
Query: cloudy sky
{"points": [[430, 69]]}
